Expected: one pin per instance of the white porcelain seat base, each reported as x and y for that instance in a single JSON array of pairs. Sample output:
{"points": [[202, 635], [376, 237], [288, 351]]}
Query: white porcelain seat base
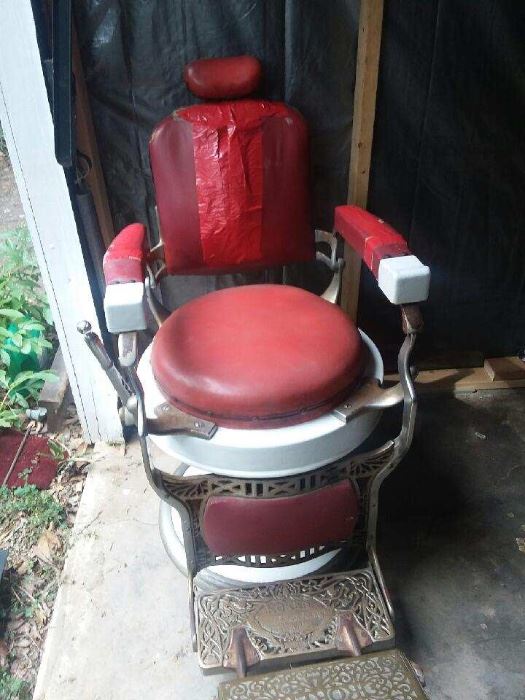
{"points": [[266, 453], [261, 453], [226, 575]]}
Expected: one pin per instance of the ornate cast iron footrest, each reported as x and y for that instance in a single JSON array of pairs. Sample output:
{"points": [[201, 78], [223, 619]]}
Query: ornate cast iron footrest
{"points": [[297, 620], [384, 675]]}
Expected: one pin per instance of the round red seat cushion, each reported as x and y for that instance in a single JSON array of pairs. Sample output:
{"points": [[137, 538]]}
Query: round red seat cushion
{"points": [[257, 356]]}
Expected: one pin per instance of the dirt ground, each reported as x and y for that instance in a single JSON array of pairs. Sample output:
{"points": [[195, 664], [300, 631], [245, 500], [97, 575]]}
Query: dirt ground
{"points": [[11, 212], [34, 527]]}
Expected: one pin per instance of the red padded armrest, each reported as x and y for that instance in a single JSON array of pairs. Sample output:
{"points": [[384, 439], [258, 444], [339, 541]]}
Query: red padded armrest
{"points": [[126, 257], [369, 236]]}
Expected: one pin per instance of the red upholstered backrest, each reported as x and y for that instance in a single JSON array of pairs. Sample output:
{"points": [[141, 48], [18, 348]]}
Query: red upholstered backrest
{"points": [[234, 525], [232, 186]]}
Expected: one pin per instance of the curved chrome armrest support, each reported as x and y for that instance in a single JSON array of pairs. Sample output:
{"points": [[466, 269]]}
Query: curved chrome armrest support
{"points": [[369, 397], [159, 312], [334, 262], [412, 325], [404, 439]]}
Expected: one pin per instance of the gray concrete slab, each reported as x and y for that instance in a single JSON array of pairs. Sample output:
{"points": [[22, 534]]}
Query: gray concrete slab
{"points": [[120, 623], [450, 516]]}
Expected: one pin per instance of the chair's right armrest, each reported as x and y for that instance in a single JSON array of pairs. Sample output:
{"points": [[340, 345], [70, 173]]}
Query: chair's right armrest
{"points": [[401, 276], [124, 271]]}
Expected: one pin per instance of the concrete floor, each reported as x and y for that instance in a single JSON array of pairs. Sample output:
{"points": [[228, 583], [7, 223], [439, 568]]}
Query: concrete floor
{"points": [[450, 516]]}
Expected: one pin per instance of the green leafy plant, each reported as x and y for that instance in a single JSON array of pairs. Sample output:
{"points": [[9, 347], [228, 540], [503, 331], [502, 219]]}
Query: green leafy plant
{"points": [[39, 506], [25, 316], [12, 688], [25, 327], [18, 393]]}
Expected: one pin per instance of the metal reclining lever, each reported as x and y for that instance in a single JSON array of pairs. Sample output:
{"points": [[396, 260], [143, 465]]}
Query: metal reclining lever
{"points": [[169, 419], [99, 351]]}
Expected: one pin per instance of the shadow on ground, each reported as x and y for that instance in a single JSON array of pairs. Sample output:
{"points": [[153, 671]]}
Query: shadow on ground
{"points": [[449, 519]]}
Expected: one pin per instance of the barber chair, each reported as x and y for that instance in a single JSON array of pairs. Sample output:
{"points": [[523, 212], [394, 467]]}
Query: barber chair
{"points": [[261, 394]]}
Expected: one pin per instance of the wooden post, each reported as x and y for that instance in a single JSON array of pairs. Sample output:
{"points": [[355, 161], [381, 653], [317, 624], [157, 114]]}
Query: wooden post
{"points": [[87, 144], [26, 120], [367, 69]]}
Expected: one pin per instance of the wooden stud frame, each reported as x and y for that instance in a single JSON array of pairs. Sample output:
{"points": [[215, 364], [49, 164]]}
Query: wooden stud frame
{"points": [[367, 69]]}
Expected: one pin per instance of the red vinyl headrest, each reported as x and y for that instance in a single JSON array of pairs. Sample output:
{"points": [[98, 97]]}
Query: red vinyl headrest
{"points": [[223, 78]]}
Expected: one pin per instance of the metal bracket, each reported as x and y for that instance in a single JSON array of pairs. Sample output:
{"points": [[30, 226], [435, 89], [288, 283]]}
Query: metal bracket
{"points": [[335, 263], [369, 396], [159, 312], [241, 654], [411, 319], [172, 420], [351, 637]]}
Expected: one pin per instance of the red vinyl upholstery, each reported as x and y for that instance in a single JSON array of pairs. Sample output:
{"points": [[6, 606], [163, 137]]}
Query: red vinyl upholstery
{"points": [[223, 78], [125, 258], [233, 525], [257, 356], [369, 236], [232, 186]]}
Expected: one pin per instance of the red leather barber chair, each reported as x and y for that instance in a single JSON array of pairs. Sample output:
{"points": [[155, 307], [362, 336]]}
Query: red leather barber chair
{"points": [[262, 392]]}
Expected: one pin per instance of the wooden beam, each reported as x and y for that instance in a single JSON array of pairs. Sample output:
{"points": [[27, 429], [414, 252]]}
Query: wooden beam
{"points": [[28, 128], [504, 368], [468, 379], [87, 144], [367, 70]]}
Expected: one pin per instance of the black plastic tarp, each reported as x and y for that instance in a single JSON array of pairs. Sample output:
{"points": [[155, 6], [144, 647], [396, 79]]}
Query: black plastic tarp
{"points": [[448, 167], [448, 164]]}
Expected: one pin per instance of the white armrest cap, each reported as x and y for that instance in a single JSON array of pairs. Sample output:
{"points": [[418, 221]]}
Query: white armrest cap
{"points": [[403, 280], [124, 307]]}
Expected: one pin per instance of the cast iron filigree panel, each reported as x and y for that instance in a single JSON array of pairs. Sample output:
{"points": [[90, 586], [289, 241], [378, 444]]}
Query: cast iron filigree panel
{"points": [[385, 675], [290, 618], [192, 492]]}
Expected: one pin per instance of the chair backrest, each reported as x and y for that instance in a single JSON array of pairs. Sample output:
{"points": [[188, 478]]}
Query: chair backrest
{"points": [[231, 176]]}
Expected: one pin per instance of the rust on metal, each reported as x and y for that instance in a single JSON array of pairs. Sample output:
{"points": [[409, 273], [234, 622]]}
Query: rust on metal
{"points": [[241, 654]]}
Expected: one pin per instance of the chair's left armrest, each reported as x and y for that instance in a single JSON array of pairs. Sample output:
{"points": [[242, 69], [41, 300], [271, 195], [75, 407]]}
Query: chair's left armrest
{"points": [[401, 276], [124, 271]]}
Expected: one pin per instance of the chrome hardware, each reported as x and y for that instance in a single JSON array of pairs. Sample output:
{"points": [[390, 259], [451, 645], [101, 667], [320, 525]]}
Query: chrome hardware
{"points": [[127, 349], [172, 420], [159, 312], [334, 263], [99, 351], [370, 396]]}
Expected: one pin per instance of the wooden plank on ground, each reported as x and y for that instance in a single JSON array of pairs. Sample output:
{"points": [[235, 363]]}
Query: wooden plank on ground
{"points": [[505, 368], [367, 69]]}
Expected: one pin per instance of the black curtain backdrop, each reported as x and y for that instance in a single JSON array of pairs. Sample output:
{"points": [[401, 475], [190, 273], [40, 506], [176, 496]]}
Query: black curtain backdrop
{"points": [[448, 165]]}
